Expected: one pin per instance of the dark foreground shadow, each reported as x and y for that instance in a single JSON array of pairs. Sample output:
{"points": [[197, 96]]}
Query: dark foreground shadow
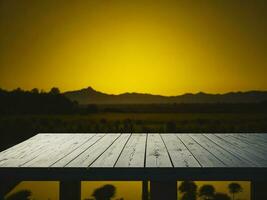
{"points": [[20, 195], [189, 191], [104, 193]]}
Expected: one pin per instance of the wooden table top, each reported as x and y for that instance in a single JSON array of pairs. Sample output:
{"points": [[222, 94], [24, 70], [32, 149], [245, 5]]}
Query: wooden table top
{"points": [[137, 151]]}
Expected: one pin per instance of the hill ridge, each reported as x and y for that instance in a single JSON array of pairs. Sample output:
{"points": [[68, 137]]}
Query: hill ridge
{"points": [[91, 96]]}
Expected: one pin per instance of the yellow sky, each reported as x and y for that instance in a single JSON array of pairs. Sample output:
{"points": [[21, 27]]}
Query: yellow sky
{"points": [[160, 46]]}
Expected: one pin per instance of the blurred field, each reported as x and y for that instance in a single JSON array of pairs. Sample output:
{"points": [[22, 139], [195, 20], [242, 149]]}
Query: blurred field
{"points": [[15, 128]]}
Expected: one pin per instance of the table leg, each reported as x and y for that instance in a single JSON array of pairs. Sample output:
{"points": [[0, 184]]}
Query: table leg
{"points": [[163, 190], [70, 190], [259, 190], [145, 190]]}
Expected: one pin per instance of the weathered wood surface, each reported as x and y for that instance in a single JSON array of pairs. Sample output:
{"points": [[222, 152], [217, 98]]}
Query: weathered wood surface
{"points": [[113, 150]]}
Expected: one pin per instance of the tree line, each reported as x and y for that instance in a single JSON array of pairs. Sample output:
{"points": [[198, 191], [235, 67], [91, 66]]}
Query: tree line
{"points": [[19, 101]]}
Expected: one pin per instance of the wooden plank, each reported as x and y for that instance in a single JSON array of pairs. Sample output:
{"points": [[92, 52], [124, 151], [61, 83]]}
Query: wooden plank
{"points": [[54, 154], [133, 154], [180, 155], [40, 146], [227, 158], [254, 149], [75, 153], [21, 146], [245, 147], [111, 155], [251, 140], [261, 136], [86, 158], [138, 150], [237, 151], [156, 152], [204, 157]]}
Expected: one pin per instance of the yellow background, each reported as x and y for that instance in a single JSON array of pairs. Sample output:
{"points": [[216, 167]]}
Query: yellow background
{"points": [[160, 46]]}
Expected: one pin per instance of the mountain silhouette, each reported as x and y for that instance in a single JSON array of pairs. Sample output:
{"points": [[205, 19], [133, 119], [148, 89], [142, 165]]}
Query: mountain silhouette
{"points": [[91, 96]]}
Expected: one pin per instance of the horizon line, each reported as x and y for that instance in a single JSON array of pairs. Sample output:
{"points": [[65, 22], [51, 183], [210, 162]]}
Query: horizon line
{"points": [[145, 93]]}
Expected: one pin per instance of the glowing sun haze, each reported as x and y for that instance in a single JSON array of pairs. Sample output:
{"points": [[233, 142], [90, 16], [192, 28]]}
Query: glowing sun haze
{"points": [[163, 47]]}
